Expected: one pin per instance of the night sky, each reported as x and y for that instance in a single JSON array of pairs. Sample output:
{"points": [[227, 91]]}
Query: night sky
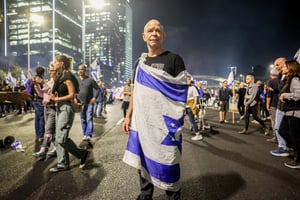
{"points": [[213, 35]]}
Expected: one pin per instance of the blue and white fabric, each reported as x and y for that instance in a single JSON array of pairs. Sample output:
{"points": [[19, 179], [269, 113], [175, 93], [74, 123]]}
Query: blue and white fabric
{"points": [[155, 142]]}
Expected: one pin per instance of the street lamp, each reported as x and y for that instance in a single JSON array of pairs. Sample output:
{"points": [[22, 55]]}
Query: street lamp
{"points": [[39, 20]]}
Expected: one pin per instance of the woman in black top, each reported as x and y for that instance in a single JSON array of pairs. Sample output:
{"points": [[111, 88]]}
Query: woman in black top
{"points": [[64, 90]]}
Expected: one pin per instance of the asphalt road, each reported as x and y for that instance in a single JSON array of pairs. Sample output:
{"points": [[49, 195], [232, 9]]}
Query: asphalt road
{"points": [[225, 165]]}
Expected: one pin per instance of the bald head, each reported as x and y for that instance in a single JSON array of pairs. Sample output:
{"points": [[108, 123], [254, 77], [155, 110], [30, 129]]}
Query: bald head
{"points": [[152, 22], [279, 63], [154, 35]]}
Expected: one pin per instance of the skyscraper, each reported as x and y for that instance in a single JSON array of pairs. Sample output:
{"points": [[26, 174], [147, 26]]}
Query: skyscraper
{"points": [[36, 43], [108, 38], [72, 27]]}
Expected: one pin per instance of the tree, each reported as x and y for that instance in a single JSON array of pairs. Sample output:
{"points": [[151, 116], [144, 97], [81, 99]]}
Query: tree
{"points": [[16, 71], [3, 75]]}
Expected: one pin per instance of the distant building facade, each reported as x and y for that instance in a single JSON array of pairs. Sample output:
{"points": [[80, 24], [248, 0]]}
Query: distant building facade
{"points": [[108, 38], [59, 31], [70, 27]]}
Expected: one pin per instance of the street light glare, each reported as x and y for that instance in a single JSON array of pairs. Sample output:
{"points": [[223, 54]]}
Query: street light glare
{"points": [[37, 18], [97, 3]]}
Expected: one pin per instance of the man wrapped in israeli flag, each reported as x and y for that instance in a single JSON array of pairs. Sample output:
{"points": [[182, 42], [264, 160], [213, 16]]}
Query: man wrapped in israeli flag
{"points": [[156, 115]]}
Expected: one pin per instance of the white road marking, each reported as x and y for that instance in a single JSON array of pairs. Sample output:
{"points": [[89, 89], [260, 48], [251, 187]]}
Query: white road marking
{"points": [[120, 121]]}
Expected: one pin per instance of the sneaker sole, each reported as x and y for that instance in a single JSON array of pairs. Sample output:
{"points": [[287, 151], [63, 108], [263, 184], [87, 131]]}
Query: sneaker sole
{"points": [[196, 139], [280, 155], [56, 170], [291, 166]]}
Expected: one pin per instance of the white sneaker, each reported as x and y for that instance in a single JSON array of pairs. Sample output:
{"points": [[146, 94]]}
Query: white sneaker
{"points": [[197, 137]]}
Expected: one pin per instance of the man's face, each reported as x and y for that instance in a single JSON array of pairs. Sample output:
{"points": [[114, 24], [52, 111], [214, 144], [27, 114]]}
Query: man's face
{"points": [[81, 70], [153, 34], [279, 63], [248, 79]]}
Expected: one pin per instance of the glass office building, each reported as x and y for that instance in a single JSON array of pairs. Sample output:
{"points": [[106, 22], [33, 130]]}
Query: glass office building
{"points": [[59, 30], [108, 39], [71, 27]]}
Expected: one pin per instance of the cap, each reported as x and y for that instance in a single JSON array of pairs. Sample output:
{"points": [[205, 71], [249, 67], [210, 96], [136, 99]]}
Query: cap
{"points": [[274, 72]]}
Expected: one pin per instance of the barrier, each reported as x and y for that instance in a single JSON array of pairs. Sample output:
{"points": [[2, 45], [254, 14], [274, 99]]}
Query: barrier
{"points": [[14, 97]]}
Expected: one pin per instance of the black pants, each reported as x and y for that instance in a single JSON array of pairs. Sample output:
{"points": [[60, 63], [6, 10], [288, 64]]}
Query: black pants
{"points": [[290, 130], [253, 110], [147, 189], [241, 108], [125, 106]]}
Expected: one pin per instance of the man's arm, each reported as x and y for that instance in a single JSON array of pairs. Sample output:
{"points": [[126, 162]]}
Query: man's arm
{"points": [[96, 92]]}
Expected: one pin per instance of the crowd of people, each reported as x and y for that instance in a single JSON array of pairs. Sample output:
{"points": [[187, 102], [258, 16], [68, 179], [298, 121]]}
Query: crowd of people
{"points": [[51, 102], [276, 99], [21, 105]]}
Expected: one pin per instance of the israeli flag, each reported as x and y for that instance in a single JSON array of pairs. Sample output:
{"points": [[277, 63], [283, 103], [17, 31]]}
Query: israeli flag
{"points": [[230, 79], [11, 80], [94, 64], [154, 143], [94, 75], [23, 78]]}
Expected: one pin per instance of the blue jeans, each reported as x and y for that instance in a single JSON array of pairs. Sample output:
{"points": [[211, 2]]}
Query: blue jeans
{"points": [[98, 108], [64, 144], [86, 116], [39, 121], [278, 119], [192, 119]]}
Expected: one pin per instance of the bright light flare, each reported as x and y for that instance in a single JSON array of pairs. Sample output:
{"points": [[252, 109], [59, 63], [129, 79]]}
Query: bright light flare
{"points": [[37, 18], [97, 3]]}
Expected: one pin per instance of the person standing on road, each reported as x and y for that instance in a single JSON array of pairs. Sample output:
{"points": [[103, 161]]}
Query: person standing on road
{"points": [[272, 99], [200, 89], [64, 90], [191, 107], [98, 107], [290, 96], [241, 97], [127, 92], [88, 93], [49, 112], [156, 115], [282, 150], [251, 99], [224, 95], [39, 120]]}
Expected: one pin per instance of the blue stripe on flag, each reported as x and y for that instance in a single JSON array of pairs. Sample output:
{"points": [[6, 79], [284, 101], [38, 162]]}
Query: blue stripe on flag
{"points": [[176, 92], [173, 125], [169, 173]]}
